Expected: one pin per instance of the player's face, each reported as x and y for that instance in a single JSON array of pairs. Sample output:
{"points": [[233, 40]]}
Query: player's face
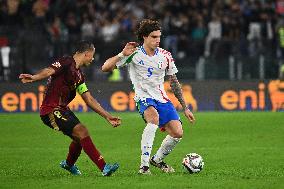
{"points": [[153, 40], [89, 57]]}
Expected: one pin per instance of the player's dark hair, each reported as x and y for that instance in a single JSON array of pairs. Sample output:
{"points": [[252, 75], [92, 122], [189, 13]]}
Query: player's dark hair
{"points": [[145, 27], [83, 46]]}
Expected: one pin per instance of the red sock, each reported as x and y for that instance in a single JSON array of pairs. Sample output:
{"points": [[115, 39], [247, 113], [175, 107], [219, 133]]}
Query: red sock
{"points": [[92, 152], [74, 152]]}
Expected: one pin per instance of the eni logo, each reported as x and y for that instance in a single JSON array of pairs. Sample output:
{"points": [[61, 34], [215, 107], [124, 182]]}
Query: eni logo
{"points": [[255, 99], [276, 92]]}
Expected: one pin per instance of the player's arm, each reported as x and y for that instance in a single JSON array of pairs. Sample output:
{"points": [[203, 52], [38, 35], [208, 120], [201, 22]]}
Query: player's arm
{"points": [[42, 74], [110, 63], [176, 88], [95, 105]]}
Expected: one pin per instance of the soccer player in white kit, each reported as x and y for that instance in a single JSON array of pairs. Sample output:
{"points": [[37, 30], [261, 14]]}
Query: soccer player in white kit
{"points": [[148, 65]]}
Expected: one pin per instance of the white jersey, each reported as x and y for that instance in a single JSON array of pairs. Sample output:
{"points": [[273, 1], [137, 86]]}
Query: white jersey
{"points": [[147, 73]]}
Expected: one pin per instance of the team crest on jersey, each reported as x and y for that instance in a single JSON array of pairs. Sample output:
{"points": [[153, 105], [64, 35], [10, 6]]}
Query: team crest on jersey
{"points": [[160, 64], [56, 64]]}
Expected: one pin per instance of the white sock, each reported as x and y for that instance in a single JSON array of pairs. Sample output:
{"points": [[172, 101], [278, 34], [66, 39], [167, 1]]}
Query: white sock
{"points": [[147, 143], [167, 146]]}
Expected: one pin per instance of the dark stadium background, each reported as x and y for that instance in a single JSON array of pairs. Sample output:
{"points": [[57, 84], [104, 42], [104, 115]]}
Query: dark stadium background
{"points": [[229, 54], [241, 41]]}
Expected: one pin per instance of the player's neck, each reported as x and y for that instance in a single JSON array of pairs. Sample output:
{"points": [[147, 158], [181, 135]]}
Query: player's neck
{"points": [[77, 59], [149, 51]]}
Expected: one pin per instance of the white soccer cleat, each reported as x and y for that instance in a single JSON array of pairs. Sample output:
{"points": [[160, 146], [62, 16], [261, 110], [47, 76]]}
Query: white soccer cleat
{"points": [[144, 170]]}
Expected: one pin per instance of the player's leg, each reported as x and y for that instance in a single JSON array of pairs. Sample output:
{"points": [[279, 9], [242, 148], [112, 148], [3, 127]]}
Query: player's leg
{"points": [[175, 133], [69, 124], [151, 118], [65, 121], [174, 130], [81, 133], [171, 124], [73, 154], [75, 149]]}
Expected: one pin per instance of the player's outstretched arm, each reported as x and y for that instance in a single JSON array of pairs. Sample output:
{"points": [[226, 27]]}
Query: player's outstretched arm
{"points": [[42, 74], [110, 63], [95, 105], [176, 88]]}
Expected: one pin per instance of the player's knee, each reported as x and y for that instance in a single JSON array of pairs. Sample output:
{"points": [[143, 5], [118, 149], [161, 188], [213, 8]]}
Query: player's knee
{"points": [[178, 134], [81, 131], [151, 116], [154, 120], [84, 133]]}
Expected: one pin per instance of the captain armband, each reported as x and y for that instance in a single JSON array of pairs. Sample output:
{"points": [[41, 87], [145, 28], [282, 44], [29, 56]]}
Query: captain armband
{"points": [[82, 88]]}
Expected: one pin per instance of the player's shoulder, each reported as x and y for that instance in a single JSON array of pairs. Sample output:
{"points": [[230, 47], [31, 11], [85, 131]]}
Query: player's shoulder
{"points": [[140, 50], [62, 62], [65, 60], [164, 52]]}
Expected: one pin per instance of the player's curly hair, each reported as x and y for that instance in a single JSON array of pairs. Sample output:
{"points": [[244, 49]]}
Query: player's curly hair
{"points": [[145, 27]]}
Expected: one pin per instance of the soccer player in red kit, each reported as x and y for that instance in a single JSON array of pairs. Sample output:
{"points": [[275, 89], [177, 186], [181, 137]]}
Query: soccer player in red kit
{"points": [[65, 78]]}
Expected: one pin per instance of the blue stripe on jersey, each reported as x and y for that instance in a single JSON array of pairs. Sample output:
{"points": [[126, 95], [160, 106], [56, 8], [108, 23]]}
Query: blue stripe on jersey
{"points": [[156, 51], [143, 50]]}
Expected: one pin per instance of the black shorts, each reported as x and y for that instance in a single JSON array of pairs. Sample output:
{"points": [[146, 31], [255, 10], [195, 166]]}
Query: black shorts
{"points": [[61, 120]]}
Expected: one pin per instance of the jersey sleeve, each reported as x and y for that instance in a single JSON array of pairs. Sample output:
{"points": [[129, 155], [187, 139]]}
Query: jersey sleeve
{"points": [[171, 68], [125, 60]]}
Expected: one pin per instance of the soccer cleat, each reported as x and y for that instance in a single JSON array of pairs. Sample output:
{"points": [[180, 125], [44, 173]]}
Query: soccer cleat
{"points": [[144, 170], [162, 165], [109, 169], [73, 169]]}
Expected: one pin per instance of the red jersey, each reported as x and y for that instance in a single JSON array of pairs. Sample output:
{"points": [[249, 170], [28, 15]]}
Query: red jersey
{"points": [[61, 86]]}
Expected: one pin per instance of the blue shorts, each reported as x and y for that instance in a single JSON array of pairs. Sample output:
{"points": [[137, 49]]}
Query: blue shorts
{"points": [[166, 111]]}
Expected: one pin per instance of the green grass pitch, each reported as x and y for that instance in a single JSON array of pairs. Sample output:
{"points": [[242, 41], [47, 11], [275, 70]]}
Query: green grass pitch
{"points": [[240, 150]]}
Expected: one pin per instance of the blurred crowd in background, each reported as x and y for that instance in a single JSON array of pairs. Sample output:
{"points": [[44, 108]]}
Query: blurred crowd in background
{"points": [[214, 33]]}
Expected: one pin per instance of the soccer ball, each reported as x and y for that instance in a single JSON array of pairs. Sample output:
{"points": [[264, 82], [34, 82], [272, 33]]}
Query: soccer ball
{"points": [[193, 163]]}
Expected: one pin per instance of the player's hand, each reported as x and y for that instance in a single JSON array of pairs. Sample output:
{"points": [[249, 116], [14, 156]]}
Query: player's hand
{"points": [[189, 115], [26, 78], [114, 121], [129, 48]]}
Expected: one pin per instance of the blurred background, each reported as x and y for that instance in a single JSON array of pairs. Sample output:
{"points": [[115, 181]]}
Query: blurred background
{"points": [[230, 57], [209, 39], [229, 53]]}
